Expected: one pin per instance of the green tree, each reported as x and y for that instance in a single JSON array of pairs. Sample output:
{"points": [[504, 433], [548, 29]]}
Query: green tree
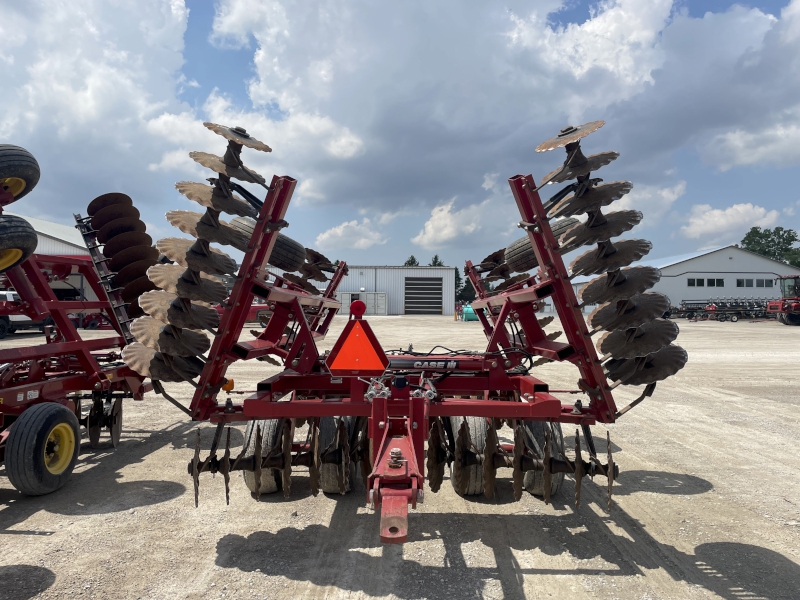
{"points": [[777, 244], [411, 262], [466, 293], [436, 261], [459, 281]]}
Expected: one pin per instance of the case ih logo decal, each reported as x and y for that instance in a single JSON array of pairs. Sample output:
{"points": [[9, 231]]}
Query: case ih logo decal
{"points": [[423, 364]]}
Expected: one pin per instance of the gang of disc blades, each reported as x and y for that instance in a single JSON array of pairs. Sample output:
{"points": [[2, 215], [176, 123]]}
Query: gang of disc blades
{"points": [[101, 202], [130, 255], [591, 199], [619, 284], [597, 260], [155, 334], [204, 195], [568, 135], [213, 162], [166, 307], [180, 250], [134, 310], [148, 363], [593, 163], [192, 223], [629, 313], [126, 240], [170, 278], [616, 224], [133, 272], [136, 288], [112, 213], [238, 135], [117, 227], [638, 341], [657, 366]]}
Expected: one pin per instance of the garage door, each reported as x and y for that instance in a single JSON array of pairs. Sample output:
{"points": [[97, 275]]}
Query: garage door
{"points": [[423, 296]]}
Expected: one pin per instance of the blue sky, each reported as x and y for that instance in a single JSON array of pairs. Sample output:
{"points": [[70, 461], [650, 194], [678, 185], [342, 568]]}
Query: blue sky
{"points": [[403, 124]]}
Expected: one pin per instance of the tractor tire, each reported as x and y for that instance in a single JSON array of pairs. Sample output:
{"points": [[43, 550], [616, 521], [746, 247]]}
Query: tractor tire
{"points": [[19, 171], [287, 254], [4, 328], [792, 319], [520, 255], [535, 430], [734, 318], [42, 448], [18, 241], [270, 434], [328, 473], [474, 473]]}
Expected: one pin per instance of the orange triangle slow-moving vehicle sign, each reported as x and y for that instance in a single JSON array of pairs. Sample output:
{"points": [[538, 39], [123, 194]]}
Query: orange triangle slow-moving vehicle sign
{"points": [[357, 352]]}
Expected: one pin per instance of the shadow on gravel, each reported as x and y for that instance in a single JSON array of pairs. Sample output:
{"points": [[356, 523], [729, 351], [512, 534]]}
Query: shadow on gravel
{"points": [[657, 482], [20, 582]]}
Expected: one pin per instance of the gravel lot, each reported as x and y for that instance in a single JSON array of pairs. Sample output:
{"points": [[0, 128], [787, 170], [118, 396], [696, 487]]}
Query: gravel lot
{"points": [[707, 504]]}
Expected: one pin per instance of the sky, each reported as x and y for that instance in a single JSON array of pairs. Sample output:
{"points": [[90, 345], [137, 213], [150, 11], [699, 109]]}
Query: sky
{"points": [[402, 122]]}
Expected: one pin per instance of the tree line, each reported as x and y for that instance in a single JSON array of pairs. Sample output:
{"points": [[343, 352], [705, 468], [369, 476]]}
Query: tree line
{"points": [[777, 244]]}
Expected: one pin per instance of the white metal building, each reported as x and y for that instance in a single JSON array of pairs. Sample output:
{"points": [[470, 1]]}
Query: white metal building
{"points": [[56, 239]]}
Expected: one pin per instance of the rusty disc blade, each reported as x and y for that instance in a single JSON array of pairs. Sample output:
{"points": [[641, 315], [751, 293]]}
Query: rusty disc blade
{"points": [[592, 199], [117, 227], [205, 195], [136, 288], [130, 255], [616, 224], [112, 213], [170, 278], [213, 162], [638, 341], [655, 367], [182, 251], [593, 162], [568, 135], [133, 272], [196, 225], [633, 312], [494, 259], [166, 307], [126, 240], [302, 283], [313, 272], [101, 202], [509, 282], [164, 338], [619, 284], [502, 271], [238, 135], [608, 257], [317, 258]]}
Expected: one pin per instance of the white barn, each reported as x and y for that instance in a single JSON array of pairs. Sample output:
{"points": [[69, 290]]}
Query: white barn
{"points": [[55, 238]]}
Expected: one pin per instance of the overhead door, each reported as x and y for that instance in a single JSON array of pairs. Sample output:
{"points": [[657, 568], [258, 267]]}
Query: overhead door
{"points": [[423, 296]]}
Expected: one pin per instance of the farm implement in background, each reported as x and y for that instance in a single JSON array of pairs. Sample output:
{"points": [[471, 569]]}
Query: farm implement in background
{"points": [[787, 308], [359, 405]]}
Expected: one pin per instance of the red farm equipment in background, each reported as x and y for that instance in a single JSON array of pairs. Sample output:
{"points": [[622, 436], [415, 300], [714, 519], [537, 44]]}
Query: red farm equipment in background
{"points": [[788, 307]]}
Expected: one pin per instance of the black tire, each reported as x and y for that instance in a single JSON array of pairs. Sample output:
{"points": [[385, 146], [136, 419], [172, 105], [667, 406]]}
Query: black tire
{"points": [[535, 430], [4, 328], [18, 169], [270, 434], [328, 473], [287, 254], [92, 325], [478, 427], [18, 241], [792, 319], [734, 318], [520, 255], [27, 444]]}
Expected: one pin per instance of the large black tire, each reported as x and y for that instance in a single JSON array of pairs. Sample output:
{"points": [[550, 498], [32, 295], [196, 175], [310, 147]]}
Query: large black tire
{"points": [[478, 427], [18, 241], [792, 319], [270, 434], [19, 171], [4, 328], [535, 430], [329, 473], [44, 430], [286, 254], [520, 255]]}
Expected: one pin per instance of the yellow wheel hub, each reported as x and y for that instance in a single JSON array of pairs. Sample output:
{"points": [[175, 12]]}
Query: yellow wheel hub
{"points": [[59, 448], [9, 257], [15, 185]]}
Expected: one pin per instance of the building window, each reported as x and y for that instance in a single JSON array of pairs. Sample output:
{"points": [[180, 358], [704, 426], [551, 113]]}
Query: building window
{"points": [[768, 283], [700, 282], [691, 282], [740, 283], [720, 283], [759, 283], [748, 283]]}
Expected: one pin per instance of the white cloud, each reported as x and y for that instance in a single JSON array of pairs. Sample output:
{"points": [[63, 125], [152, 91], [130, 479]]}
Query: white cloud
{"points": [[445, 225], [777, 145], [489, 180], [729, 224], [654, 202], [351, 234]]}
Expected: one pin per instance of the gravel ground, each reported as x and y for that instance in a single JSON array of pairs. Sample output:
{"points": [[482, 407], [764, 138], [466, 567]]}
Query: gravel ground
{"points": [[707, 504]]}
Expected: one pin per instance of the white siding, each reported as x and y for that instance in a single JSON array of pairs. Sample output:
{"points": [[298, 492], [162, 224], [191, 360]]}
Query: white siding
{"points": [[54, 247], [391, 280]]}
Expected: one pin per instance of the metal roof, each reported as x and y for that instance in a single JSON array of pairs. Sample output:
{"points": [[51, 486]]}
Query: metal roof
{"points": [[57, 231]]}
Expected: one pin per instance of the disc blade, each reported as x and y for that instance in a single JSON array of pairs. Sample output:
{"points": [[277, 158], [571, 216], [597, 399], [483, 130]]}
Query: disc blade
{"points": [[194, 224], [502, 271], [313, 272], [126, 240], [591, 199], [148, 363], [619, 284], [238, 135], [494, 259], [205, 195], [213, 162], [629, 313], [130, 255], [509, 282], [317, 258], [117, 227], [568, 135], [182, 251], [545, 321], [599, 260], [170, 278], [301, 282], [593, 162], [155, 334], [134, 310], [101, 202], [655, 367], [133, 272], [640, 341], [112, 213], [616, 224], [136, 288], [166, 307]]}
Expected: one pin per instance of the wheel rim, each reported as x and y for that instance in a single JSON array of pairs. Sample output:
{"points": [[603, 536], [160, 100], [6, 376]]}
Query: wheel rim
{"points": [[15, 185], [9, 257], [59, 448]]}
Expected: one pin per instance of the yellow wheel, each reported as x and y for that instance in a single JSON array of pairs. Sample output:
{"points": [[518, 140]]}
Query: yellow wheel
{"points": [[18, 241], [15, 185], [59, 448], [19, 172], [9, 257]]}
